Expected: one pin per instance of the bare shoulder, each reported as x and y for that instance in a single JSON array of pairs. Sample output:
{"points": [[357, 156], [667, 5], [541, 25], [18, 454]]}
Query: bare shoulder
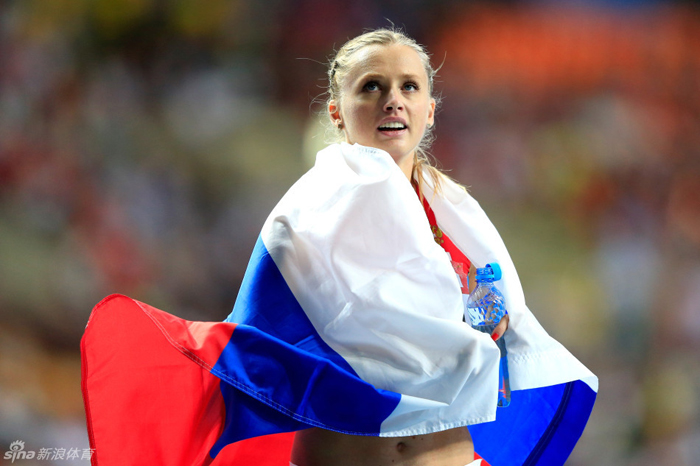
{"points": [[320, 447]]}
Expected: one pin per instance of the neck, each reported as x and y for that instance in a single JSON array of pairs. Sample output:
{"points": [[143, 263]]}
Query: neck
{"points": [[406, 165]]}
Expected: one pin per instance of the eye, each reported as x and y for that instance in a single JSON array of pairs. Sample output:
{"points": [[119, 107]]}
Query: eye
{"points": [[371, 86], [409, 86]]}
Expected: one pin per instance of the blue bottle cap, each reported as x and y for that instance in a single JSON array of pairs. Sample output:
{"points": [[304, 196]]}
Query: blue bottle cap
{"points": [[496, 270], [491, 272]]}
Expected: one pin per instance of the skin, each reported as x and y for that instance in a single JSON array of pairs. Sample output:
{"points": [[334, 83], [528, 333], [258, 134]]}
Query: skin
{"points": [[387, 83]]}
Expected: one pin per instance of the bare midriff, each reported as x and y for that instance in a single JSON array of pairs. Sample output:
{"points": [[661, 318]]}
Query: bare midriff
{"points": [[319, 447]]}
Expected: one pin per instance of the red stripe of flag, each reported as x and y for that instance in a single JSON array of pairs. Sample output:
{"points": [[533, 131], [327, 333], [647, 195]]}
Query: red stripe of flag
{"points": [[149, 400]]}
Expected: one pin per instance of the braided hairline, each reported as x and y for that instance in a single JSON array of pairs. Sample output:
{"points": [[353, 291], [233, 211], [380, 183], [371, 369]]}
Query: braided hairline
{"points": [[377, 37]]}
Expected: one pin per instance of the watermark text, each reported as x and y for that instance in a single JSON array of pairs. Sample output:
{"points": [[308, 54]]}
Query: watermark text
{"points": [[17, 452]]}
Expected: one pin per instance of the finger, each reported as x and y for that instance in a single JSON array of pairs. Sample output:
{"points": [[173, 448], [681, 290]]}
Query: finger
{"points": [[500, 328]]}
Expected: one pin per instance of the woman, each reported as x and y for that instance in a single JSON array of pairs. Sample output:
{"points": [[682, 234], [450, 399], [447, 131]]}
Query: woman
{"points": [[381, 96], [360, 270]]}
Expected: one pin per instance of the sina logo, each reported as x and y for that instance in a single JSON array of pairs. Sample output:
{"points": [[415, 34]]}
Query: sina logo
{"points": [[16, 452]]}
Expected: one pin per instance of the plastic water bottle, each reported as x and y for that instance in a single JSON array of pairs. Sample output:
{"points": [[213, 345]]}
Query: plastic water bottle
{"points": [[486, 307]]}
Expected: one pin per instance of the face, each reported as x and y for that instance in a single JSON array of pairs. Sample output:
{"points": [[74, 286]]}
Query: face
{"points": [[385, 102]]}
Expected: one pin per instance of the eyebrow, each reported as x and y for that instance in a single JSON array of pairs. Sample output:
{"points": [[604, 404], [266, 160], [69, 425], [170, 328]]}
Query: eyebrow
{"points": [[371, 75]]}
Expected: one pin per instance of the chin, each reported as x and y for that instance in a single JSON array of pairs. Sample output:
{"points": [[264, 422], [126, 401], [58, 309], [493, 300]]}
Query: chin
{"points": [[396, 150], [399, 154]]}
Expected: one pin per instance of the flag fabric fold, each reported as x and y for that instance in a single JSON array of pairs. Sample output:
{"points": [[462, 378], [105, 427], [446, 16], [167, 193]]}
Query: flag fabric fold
{"points": [[349, 318]]}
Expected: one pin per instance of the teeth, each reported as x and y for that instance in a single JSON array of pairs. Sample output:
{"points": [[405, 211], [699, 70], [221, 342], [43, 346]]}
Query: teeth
{"points": [[392, 125]]}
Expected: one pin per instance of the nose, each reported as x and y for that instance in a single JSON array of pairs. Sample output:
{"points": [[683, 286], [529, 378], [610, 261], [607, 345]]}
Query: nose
{"points": [[394, 101]]}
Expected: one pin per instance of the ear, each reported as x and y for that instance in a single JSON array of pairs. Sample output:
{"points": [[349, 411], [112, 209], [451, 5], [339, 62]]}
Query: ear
{"points": [[431, 113], [334, 113]]}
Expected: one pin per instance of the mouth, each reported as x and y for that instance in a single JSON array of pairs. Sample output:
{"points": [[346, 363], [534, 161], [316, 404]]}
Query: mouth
{"points": [[392, 127]]}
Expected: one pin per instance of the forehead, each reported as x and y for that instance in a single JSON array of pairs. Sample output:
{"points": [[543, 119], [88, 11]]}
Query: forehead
{"points": [[393, 59]]}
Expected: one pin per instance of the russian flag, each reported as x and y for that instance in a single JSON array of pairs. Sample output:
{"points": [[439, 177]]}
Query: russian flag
{"points": [[162, 390], [349, 318]]}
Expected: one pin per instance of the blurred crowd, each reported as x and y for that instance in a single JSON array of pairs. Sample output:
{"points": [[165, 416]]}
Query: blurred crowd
{"points": [[143, 143]]}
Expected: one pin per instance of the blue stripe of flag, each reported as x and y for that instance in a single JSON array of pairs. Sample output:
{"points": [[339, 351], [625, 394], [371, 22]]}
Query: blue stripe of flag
{"points": [[540, 427]]}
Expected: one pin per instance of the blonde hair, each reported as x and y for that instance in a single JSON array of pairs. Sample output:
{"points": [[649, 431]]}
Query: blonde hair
{"points": [[340, 66]]}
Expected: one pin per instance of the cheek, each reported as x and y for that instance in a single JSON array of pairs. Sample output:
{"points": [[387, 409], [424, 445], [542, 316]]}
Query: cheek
{"points": [[356, 119], [424, 111]]}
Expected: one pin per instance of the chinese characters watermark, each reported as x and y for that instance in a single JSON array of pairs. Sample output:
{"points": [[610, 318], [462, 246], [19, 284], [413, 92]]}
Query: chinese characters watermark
{"points": [[17, 452]]}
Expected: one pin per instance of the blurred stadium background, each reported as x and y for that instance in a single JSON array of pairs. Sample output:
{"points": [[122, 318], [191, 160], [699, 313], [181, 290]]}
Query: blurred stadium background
{"points": [[143, 142]]}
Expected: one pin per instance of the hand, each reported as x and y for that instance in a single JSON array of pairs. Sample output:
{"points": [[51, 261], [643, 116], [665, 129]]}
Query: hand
{"points": [[500, 328]]}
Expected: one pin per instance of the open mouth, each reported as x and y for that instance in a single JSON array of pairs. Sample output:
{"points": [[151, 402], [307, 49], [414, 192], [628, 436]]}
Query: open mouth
{"points": [[392, 126]]}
